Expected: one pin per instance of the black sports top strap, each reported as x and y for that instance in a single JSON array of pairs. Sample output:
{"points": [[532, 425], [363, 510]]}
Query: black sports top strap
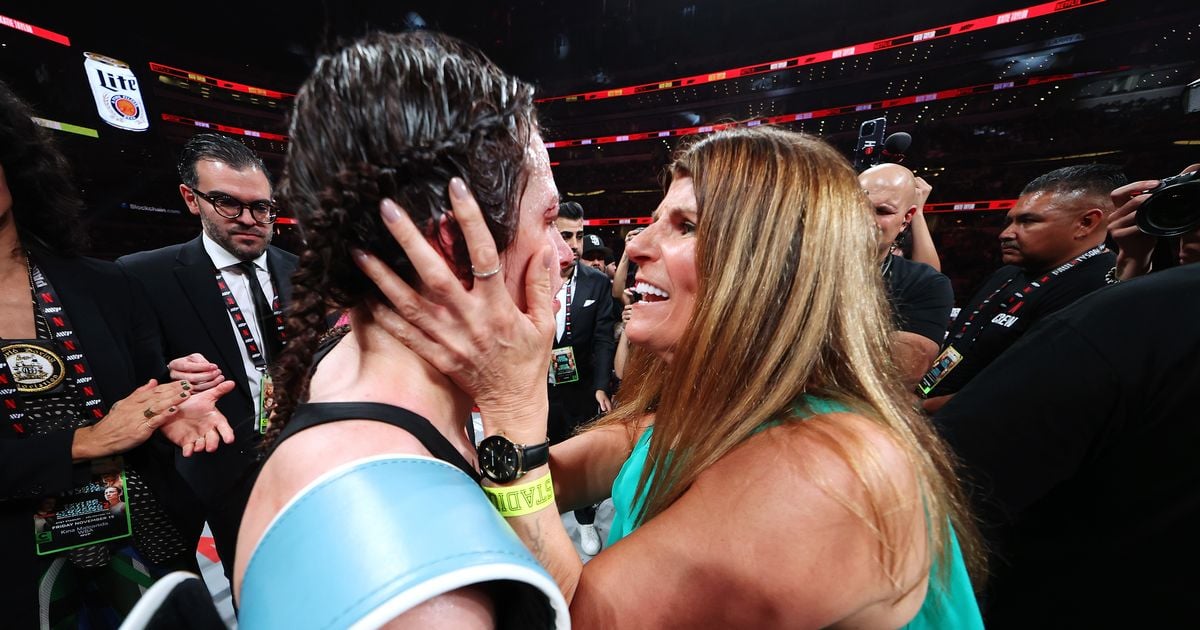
{"points": [[312, 414]]}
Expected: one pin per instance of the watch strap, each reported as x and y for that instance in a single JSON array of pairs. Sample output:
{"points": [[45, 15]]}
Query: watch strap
{"points": [[534, 455]]}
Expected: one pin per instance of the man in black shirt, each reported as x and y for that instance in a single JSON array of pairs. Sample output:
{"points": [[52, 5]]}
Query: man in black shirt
{"points": [[1054, 250], [1081, 444], [921, 297]]}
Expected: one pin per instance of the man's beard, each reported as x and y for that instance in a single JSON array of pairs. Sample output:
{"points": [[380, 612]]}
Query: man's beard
{"points": [[225, 240]]}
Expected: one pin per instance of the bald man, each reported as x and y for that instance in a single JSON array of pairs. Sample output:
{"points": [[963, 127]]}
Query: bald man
{"points": [[921, 297], [1054, 249]]}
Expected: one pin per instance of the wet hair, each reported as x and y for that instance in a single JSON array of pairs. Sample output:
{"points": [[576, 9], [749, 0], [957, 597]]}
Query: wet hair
{"points": [[46, 205], [570, 210], [1085, 179], [217, 148], [392, 116]]}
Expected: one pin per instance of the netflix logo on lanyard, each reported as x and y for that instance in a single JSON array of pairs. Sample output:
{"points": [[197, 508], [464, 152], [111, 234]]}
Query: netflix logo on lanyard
{"points": [[58, 357]]}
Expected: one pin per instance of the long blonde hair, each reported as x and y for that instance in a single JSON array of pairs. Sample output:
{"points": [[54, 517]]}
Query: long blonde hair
{"points": [[790, 302]]}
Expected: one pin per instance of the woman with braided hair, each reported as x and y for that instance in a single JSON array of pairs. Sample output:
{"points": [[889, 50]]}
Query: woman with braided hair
{"points": [[371, 474]]}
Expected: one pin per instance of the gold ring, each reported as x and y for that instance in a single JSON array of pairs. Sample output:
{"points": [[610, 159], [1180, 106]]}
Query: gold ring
{"points": [[486, 274], [148, 413]]}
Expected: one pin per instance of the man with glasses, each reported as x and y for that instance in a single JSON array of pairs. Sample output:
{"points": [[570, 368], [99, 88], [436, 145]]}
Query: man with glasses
{"points": [[219, 300]]}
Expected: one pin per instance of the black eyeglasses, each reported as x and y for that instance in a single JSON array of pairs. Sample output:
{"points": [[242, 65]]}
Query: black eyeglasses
{"points": [[262, 211]]}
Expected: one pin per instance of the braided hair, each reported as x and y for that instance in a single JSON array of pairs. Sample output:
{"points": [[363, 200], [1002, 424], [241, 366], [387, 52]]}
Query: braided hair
{"points": [[391, 116]]}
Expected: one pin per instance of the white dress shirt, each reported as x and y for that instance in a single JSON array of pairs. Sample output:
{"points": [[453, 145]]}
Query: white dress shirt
{"points": [[240, 287], [560, 317]]}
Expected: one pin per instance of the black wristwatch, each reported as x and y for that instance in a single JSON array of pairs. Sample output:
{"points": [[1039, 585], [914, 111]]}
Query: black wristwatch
{"points": [[502, 461]]}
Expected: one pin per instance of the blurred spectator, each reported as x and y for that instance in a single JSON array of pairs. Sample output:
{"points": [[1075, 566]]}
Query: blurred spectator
{"points": [[582, 358], [921, 297], [1080, 440], [596, 254]]}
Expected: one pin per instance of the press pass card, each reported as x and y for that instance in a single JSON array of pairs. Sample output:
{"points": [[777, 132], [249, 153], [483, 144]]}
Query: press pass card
{"points": [[95, 512]]}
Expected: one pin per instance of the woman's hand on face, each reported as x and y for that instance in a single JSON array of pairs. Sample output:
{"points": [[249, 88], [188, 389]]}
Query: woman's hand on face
{"points": [[477, 336]]}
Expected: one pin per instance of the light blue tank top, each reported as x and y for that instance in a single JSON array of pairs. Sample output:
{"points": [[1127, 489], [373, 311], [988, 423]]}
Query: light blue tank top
{"points": [[948, 605]]}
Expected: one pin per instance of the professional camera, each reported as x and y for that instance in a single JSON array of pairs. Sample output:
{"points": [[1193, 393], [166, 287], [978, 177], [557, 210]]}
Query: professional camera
{"points": [[1173, 207]]}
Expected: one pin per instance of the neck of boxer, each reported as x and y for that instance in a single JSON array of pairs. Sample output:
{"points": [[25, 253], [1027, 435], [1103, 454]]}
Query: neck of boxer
{"points": [[369, 365]]}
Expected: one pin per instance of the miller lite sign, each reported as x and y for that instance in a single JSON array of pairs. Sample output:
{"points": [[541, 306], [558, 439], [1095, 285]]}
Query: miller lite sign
{"points": [[115, 90]]}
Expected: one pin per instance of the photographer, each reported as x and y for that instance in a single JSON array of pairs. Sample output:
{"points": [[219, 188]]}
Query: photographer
{"points": [[1137, 247]]}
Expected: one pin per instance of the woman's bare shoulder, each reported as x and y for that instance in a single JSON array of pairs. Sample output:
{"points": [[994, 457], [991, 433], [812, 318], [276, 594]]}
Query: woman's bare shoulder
{"points": [[316, 450]]}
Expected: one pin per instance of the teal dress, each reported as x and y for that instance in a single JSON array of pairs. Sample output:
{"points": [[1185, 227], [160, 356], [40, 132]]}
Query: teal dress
{"points": [[948, 604]]}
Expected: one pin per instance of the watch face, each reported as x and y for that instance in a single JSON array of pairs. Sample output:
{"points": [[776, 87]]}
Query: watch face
{"points": [[498, 459]]}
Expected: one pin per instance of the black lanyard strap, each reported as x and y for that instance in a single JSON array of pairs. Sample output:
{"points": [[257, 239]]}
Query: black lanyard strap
{"points": [[1018, 298], [65, 340], [256, 351]]}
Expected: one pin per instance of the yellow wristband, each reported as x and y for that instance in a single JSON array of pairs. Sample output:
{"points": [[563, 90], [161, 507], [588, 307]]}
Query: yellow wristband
{"points": [[526, 498]]}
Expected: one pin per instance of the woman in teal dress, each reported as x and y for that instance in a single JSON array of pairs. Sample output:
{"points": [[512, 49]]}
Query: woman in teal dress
{"points": [[767, 468]]}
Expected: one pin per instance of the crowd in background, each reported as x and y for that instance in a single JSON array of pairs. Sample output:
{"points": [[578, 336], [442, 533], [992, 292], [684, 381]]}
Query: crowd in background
{"points": [[769, 380]]}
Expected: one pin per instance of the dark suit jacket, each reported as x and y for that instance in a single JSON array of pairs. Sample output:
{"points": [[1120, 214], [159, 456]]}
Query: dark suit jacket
{"points": [[179, 281], [120, 339], [591, 328]]}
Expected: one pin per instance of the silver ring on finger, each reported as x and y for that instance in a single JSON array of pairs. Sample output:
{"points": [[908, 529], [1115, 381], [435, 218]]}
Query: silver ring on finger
{"points": [[486, 274]]}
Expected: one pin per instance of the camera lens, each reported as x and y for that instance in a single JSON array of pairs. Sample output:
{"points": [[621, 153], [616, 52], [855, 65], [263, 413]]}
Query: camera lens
{"points": [[1172, 209]]}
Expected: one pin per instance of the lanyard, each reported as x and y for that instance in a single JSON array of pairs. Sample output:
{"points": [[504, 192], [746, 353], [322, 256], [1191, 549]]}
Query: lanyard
{"points": [[252, 347], [64, 339], [1017, 299]]}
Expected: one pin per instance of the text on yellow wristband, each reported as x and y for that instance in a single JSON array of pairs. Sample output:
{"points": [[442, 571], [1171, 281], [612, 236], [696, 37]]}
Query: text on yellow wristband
{"points": [[523, 499]]}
